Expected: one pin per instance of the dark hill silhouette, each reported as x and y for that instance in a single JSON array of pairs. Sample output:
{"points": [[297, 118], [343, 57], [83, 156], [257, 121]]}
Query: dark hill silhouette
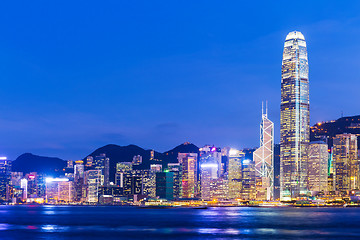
{"points": [[28, 162], [118, 153]]}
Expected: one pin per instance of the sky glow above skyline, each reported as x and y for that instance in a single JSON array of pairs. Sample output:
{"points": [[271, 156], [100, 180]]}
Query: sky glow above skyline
{"points": [[77, 76]]}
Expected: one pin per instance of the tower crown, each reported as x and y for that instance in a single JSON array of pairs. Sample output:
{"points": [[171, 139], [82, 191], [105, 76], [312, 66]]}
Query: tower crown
{"points": [[295, 35]]}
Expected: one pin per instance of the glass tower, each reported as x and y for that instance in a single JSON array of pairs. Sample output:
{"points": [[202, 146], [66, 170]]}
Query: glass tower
{"points": [[264, 159], [295, 118]]}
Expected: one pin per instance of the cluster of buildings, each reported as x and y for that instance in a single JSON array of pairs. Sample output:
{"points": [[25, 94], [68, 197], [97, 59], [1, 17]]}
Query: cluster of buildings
{"points": [[325, 169]]}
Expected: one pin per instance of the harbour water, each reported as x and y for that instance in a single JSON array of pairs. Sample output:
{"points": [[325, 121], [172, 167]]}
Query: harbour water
{"points": [[116, 222]]}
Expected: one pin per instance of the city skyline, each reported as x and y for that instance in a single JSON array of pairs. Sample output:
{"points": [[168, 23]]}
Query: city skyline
{"points": [[158, 87]]}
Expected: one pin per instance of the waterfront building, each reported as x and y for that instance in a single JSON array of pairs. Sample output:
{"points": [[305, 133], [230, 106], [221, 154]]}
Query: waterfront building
{"points": [[23, 185], [5, 177], [188, 162], [92, 180], [346, 164], [295, 117], [175, 168], [165, 185], [235, 173], [210, 169], [264, 159], [65, 191], [148, 183], [219, 189], [102, 163], [318, 167], [56, 194], [248, 188], [137, 182], [79, 180]]}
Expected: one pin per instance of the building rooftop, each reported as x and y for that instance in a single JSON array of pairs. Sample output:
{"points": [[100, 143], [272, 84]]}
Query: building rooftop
{"points": [[295, 35]]}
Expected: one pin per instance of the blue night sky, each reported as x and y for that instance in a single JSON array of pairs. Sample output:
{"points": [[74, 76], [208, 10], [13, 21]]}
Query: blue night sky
{"points": [[76, 75]]}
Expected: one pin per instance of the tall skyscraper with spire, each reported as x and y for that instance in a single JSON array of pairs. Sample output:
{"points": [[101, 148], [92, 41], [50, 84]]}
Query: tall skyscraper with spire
{"points": [[264, 159], [295, 117]]}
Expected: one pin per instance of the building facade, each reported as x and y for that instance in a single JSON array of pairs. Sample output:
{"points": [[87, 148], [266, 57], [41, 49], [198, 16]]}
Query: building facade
{"points": [[189, 180], [345, 160], [264, 159], [318, 167], [295, 117]]}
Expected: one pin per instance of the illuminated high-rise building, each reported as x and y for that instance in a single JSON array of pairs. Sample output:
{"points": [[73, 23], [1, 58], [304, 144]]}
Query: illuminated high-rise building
{"points": [[318, 167], [92, 179], [345, 160], [188, 184], [295, 117], [102, 163], [235, 173], [264, 159], [210, 169], [175, 168], [5, 177]]}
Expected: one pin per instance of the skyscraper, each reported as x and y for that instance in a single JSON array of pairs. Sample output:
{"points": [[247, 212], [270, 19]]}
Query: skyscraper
{"points": [[295, 117], [346, 165], [318, 167], [235, 173], [264, 159], [5, 177], [188, 162]]}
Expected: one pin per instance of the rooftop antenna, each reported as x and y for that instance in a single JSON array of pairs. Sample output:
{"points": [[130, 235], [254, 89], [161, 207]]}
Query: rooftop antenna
{"points": [[266, 113]]}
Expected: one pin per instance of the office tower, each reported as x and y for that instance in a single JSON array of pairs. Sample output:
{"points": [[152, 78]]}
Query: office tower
{"points": [[219, 189], [235, 173], [78, 180], [137, 160], [148, 183], [248, 189], [175, 168], [264, 159], [295, 118], [92, 180], [23, 185], [123, 166], [65, 192], [156, 167], [165, 185], [318, 167], [210, 169], [5, 177], [132, 182], [188, 162], [276, 172], [52, 189], [102, 163], [16, 178], [345, 160]]}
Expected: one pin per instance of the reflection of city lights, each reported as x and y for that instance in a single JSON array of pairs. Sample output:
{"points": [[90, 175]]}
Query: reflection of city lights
{"points": [[3, 158]]}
